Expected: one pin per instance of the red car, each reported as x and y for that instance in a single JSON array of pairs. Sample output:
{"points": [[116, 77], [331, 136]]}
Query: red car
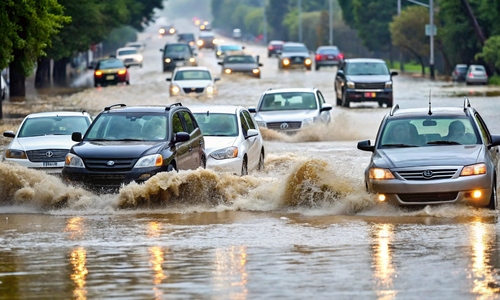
{"points": [[110, 71], [328, 56], [274, 47]]}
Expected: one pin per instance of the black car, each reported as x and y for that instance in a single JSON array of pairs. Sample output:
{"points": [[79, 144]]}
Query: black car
{"points": [[363, 80], [206, 40], [176, 55], [274, 47], [459, 72], [294, 55], [126, 144], [188, 38], [110, 71], [238, 62]]}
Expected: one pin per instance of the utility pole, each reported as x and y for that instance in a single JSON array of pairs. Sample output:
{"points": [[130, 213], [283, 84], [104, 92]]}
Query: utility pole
{"points": [[431, 16], [330, 12], [300, 20], [401, 62]]}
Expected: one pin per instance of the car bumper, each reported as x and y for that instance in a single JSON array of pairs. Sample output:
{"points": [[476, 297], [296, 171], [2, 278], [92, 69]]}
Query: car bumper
{"points": [[328, 63], [110, 79], [476, 80], [368, 95], [231, 165], [428, 192], [48, 167]]}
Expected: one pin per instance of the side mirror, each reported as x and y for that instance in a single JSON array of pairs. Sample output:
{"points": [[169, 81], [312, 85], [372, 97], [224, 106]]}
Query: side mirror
{"points": [[366, 146], [261, 65], [252, 109], [9, 134], [326, 107], [340, 73], [76, 136], [257, 58], [394, 73], [495, 140], [219, 63], [161, 50], [252, 132], [181, 137], [169, 79], [216, 78]]}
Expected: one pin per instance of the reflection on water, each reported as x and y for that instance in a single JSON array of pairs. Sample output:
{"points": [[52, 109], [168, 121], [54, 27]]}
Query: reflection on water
{"points": [[78, 260], [156, 261], [384, 270], [75, 227], [230, 276]]}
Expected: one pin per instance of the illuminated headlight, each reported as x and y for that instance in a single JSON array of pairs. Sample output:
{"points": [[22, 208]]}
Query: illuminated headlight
{"points": [[192, 60], [215, 41], [139, 58], [227, 71], [377, 173], [73, 161], [168, 60], [219, 53], [350, 85], [155, 160], [211, 90], [256, 71], [286, 62], [174, 90], [161, 31], [308, 61], [229, 152], [262, 124], [200, 43], [308, 121], [476, 169], [13, 153], [388, 85]]}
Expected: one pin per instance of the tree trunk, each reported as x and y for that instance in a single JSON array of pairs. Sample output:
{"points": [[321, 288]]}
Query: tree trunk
{"points": [[17, 86], [59, 72], [42, 76]]}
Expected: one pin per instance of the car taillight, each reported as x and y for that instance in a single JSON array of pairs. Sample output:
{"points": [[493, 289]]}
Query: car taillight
{"points": [[98, 73], [270, 47], [471, 75], [122, 72], [340, 56], [319, 57]]}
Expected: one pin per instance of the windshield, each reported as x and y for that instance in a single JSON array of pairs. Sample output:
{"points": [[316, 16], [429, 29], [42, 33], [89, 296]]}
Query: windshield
{"points": [[241, 59], [127, 52], [366, 68], [431, 131], [192, 75], [217, 124], [56, 125], [176, 49], [229, 48], [295, 49], [289, 101], [128, 127]]}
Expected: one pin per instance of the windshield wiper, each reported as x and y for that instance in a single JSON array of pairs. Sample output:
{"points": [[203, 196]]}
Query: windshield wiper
{"points": [[443, 143], [398, 145]]}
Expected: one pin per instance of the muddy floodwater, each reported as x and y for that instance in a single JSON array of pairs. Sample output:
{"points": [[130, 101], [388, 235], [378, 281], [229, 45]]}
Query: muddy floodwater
{"points": [[303, 228]]}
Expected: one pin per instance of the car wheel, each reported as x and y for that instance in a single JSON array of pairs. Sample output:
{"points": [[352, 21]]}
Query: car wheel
{"points": [[389, 103], [95, 84], [316, 67], [493, 199], [244, 167], [261, 161], [127, 82], [171, 168], [345, 100]]}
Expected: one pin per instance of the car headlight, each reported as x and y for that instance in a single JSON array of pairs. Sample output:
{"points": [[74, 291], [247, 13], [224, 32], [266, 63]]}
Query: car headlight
{"points": [[350, 85], [388, 85], [210, 90], [219, 53], [140, 58], [285, 61], [154, 160], [192, 60], [14, 153], [200, 43], [229, 152], [308, 61], [174, 89], [262, 124], [168, 60], [377, 173], [256, 71], [309, 121], [228, 71], [73, 161], [476, 169]]}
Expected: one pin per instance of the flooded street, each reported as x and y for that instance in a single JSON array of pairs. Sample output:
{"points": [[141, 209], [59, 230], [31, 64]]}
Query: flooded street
{"points": [[302, 228]]}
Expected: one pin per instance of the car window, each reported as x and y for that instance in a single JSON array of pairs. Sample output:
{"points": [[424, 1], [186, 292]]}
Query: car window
{"points": [[321, 98], [242, 59], [176, 49], [192, 75], [288, 101], [53, 126], [429, 131], [127, 52], [190, 124], [366, 68], [482, 127], [333, 51], [177, 123], [110, 64], [128, 126], [217, 124], [230, 47], [244, 124], [249, 120]]}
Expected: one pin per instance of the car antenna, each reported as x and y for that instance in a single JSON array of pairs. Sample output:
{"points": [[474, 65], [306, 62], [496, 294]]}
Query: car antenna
{"points": [[430, 112]]}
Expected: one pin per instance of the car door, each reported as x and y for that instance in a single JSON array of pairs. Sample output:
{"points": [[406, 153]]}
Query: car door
{"points": [[195, 143], [251, 144], [183, 156]]}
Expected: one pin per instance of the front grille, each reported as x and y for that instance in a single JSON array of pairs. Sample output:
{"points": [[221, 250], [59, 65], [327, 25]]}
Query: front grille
{"points": [[129, 60], [428, 197], [47, 155], [193, 90], [281, 126], [101, 165], [106, 179], [427, 174], [297, 60], [370, 86]]}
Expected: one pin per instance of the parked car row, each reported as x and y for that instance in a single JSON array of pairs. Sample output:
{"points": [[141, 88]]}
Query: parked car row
{"points": [[473, 74]]}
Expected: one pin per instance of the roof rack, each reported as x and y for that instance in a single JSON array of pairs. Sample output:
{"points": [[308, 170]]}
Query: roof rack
{"points": [[393, 109], [168, 107], [466, 103], [114, 105]]}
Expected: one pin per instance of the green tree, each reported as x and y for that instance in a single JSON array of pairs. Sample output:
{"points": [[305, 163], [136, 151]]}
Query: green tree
{"points": [[275, 13], [491, 51]]}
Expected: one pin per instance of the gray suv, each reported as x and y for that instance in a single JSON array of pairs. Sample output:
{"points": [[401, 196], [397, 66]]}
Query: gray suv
{"points": [[435, 155]]}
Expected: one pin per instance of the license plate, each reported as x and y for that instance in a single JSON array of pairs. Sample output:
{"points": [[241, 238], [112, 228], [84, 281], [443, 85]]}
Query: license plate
{"points": [[370, 95], [330, 57], [110, 77], [179, 63], [50, 164]]}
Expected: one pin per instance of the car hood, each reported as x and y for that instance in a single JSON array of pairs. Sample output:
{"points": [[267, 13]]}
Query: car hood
{"points": [[285, 115], [192, 83], [213, 143], [368, 78], [241, 67], [43, 142], [116, 149], [428, 156], [293, 54]]}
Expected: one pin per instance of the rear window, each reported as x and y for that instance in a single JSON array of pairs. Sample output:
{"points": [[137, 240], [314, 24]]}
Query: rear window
{"points": [[333, 51], [110, 64]]}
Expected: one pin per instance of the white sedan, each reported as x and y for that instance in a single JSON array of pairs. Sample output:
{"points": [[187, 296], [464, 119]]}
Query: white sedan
{"points": [[233, 142], [192, 81], [130, 56], [44, 139]]}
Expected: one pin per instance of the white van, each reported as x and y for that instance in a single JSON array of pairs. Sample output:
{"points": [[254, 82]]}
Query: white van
{"points": [[236, 33]]}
